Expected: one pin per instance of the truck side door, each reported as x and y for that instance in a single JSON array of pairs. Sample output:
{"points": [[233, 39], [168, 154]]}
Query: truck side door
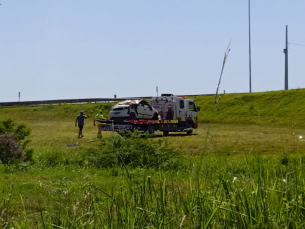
{"points": [[192, 109], [181, 109], [192, 112]]}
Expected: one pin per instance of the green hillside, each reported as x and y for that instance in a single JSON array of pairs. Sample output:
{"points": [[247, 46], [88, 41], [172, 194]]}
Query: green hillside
{"points": [[276, 107]]}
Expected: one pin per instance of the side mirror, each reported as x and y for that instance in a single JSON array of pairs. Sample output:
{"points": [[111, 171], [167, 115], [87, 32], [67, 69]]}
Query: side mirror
{"points": [[198, 108]]}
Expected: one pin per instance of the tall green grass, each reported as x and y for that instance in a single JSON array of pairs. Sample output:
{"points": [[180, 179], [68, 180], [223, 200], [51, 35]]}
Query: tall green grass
{"points": [[135, 150], [209, 192]]}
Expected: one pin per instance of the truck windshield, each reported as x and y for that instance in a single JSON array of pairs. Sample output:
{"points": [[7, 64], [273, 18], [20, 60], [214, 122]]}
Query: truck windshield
{"points": [[192, 106]]}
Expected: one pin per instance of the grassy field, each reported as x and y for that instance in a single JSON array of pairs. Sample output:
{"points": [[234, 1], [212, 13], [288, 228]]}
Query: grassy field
{"points": [[243, 168], [277, 107]]}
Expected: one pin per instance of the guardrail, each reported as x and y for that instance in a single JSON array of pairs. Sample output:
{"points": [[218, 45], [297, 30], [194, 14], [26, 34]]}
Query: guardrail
{"points": [[61, 101], [90, 100]]}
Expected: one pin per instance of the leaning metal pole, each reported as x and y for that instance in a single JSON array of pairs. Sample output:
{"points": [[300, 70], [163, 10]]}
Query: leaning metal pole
{"points": [[249, 50]]}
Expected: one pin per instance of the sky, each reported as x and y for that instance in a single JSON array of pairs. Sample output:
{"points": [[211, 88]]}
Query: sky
{"points": [[70, 49]]}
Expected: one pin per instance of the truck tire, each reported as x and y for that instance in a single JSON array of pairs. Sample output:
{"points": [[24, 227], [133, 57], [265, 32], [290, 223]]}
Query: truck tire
{"points": [[151, 129], [189, 132], [190, 127], [165, 133], [155, 116], [132, 116]]}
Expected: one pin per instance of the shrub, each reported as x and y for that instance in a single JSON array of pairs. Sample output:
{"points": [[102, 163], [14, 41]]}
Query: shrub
{"points": [[6, 126], [10, 151], [21, 131], [13, 142], [137, 150]]}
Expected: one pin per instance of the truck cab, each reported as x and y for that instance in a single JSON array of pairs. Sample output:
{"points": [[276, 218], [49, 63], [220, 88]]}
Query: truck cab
{"points": [[171, 107]]}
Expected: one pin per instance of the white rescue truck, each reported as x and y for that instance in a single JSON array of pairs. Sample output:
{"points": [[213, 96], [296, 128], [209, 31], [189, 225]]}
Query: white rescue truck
{"points": [[175, 114]]}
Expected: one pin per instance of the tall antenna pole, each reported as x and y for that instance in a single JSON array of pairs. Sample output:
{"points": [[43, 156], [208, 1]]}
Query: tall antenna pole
{"points": [[250, 50], [286, 60]]}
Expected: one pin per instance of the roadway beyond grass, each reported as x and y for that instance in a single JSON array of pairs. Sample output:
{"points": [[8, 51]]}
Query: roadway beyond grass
{"points": [[243, 168]]}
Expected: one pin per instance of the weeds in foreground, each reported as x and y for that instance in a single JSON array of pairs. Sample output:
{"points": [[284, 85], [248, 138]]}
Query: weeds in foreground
{"points": [[233, 192], [133, 151]]}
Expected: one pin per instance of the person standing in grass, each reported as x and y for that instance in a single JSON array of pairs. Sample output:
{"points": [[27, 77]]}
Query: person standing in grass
{"points": [[80, 120], [99, 125]]}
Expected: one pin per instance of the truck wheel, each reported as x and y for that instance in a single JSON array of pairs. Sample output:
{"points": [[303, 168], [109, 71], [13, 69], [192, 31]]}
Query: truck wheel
{"points": [[189, 125], [189, 132], [132, 116], [165, 133], [151, 129], [155, 116]]}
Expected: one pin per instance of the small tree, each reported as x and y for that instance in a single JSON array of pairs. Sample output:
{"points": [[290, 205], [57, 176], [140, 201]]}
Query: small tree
{"points": [[13, 142]]}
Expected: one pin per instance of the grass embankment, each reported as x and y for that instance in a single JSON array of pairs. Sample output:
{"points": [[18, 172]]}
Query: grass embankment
{"points": [[276, 107], [261, 186]]}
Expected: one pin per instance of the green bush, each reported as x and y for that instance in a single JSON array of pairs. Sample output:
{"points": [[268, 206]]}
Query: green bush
{"points": [[13, 142], [10, 151], [137, 150], [134, 150], [8, 126]]}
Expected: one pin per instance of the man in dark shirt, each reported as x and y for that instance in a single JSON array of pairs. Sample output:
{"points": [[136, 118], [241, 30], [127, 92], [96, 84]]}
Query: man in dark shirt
{"points": [[80, 120]]}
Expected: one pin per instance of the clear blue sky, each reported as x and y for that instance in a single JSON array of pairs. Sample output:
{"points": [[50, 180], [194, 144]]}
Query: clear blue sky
{"points": [[60, 49]]}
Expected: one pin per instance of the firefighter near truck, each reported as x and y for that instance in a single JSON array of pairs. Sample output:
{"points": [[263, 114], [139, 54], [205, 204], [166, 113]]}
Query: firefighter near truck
{"points": [[175, 114]]}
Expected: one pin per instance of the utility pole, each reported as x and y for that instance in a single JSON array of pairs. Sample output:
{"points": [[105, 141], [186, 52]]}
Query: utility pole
{"points": [[19, 96], [157, 90], [250, 51], [286, 60]]}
